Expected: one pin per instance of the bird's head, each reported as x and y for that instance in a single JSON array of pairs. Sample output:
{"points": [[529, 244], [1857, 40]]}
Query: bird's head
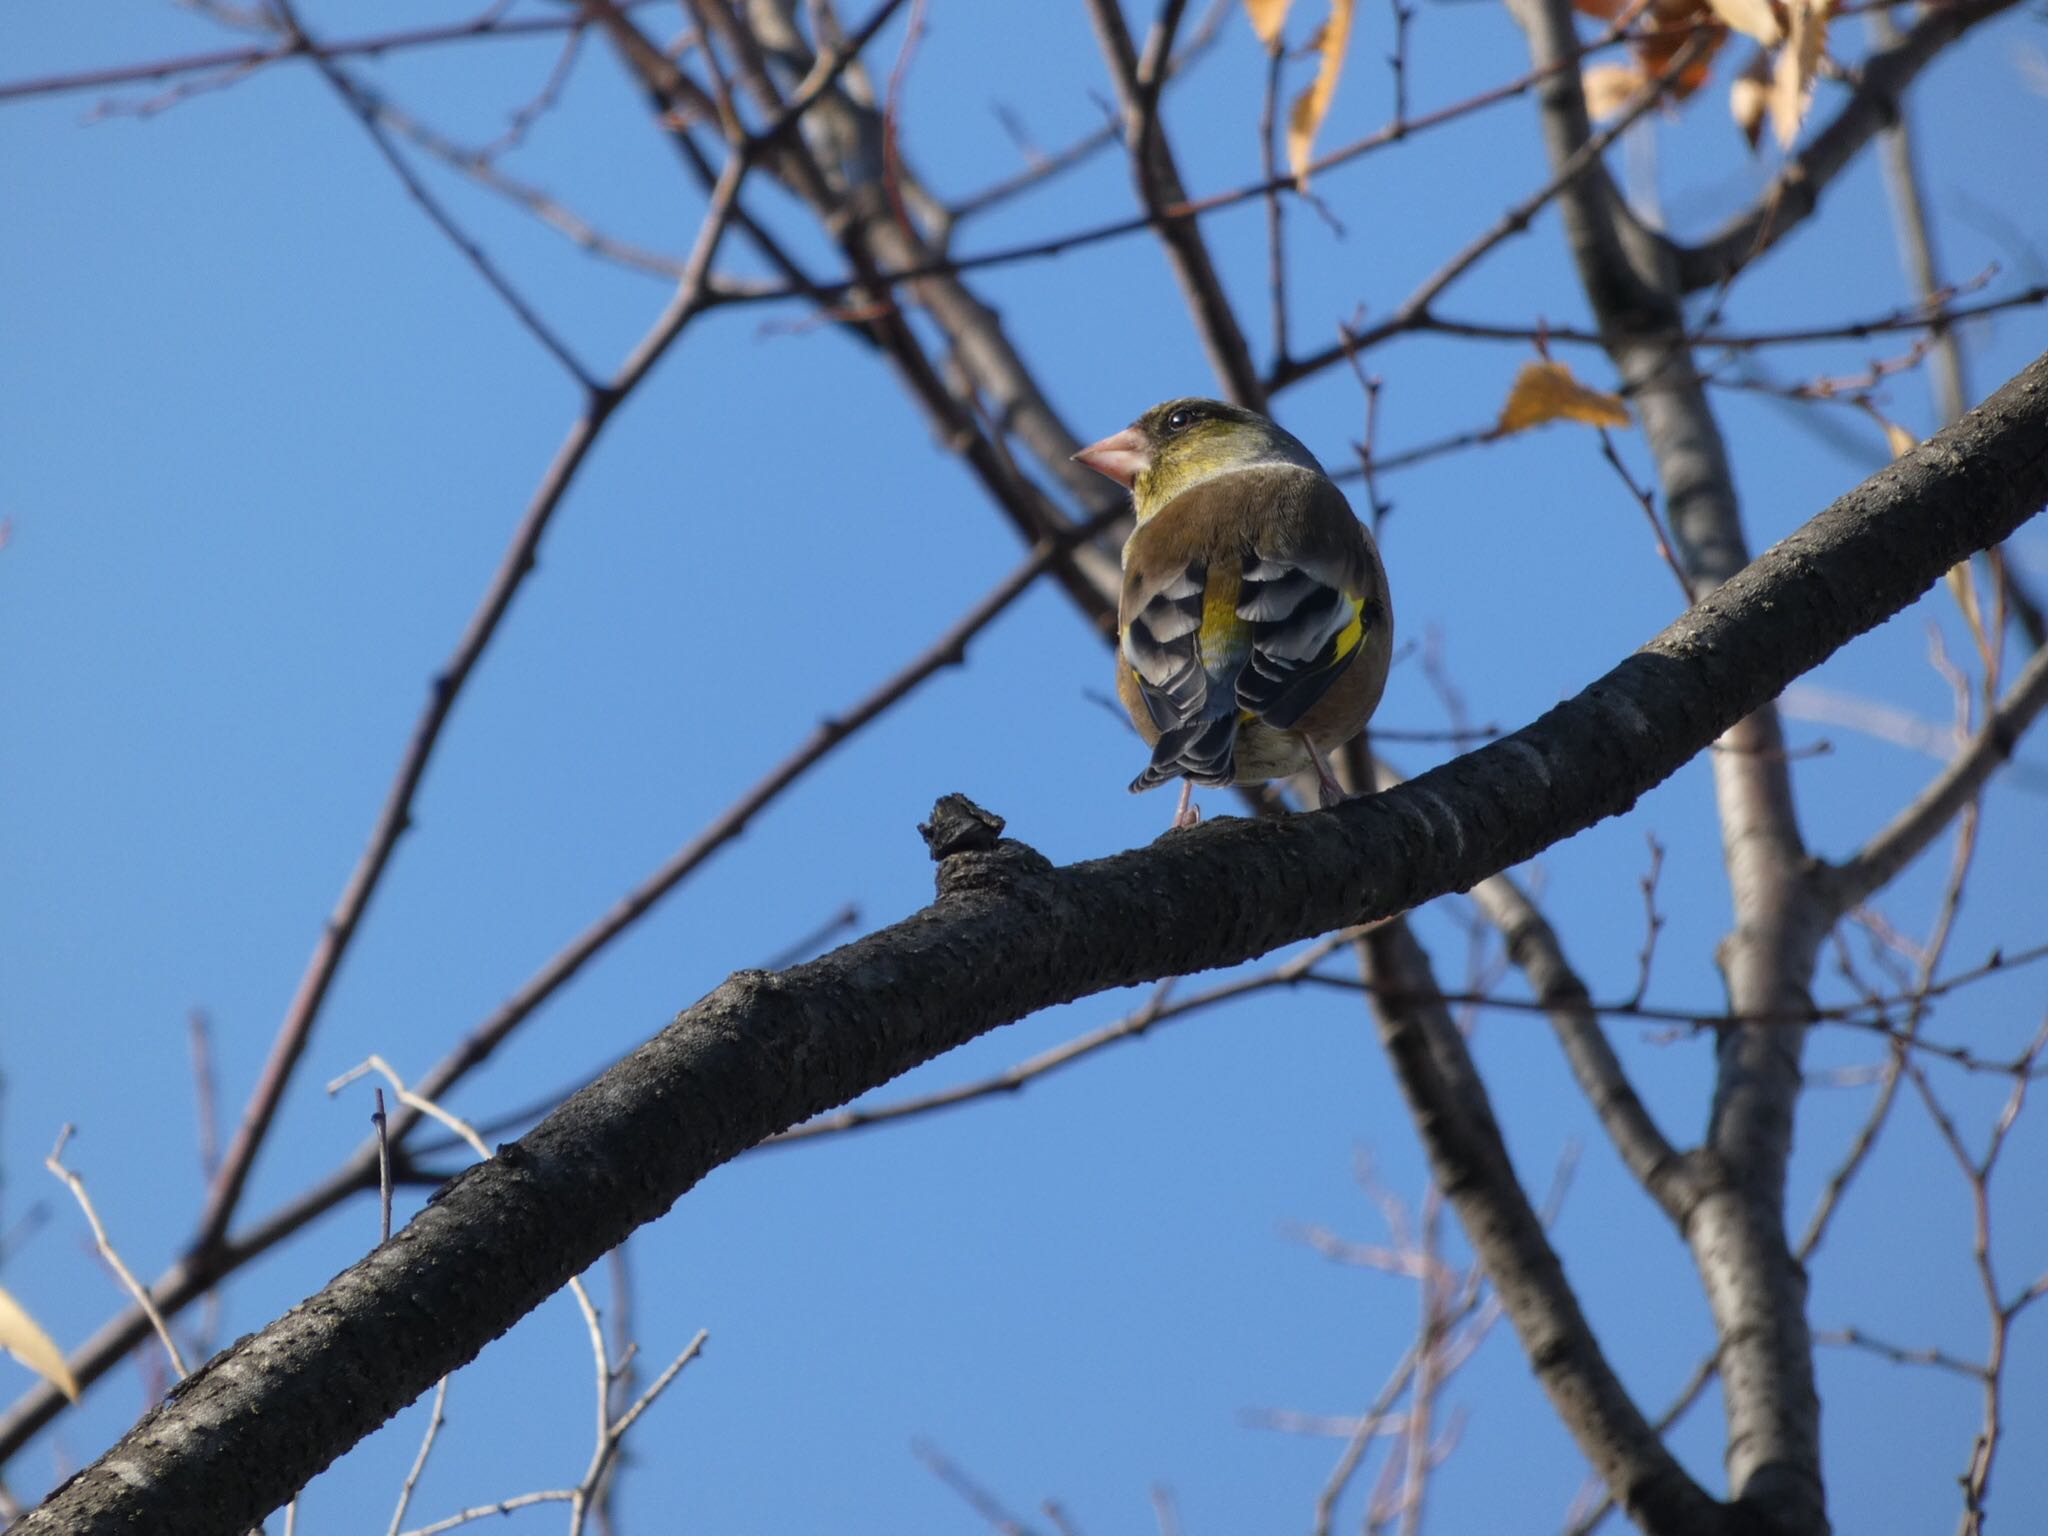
{"points": [[1179, 443]]}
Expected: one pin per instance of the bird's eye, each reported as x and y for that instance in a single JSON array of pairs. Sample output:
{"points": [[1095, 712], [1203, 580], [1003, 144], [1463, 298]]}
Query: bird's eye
{"points": [[1180, 420]]}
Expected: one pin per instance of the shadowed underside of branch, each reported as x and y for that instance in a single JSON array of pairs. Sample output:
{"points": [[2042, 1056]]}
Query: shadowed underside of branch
{"points": [[1008, 935]]}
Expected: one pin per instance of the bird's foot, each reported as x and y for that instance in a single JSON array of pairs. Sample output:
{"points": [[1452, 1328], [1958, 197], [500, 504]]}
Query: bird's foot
{"points": [[1331, 792], [1186, 814]]}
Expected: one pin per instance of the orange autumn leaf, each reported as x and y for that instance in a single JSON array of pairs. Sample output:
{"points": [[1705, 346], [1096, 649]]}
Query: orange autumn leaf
{"points": [[1546, 391], [1313, 104], [1268, 17], [22, 1338]]}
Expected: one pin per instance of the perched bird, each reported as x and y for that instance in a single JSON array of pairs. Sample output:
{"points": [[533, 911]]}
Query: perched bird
{"points": [[1254, 630]]}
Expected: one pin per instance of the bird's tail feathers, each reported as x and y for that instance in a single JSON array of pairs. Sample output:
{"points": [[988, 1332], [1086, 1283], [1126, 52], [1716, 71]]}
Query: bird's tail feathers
{"points": [[1202, 750]]}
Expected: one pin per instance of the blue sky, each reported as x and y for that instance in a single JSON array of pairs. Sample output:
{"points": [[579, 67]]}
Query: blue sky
{"points": [[262, 437]]}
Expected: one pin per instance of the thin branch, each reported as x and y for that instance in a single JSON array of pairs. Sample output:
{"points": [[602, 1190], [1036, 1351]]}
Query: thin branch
{"points": [[362, 104], [1190, 208], [435, 1420], [395, 818], [1856, 1338], [491, 23], [383, 1170], [1535, 949], [479, 168], [1514, 221], [1902, 839], [1159, 187], [1874, 104], [976, 1497], [842, 921], [71, 1181]]}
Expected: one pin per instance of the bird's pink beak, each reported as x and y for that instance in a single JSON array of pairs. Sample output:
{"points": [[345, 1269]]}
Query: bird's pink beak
{"points": [[1123, 457]]}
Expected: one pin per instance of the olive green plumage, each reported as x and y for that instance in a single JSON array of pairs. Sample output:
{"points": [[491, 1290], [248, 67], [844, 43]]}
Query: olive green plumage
{"points": [[1254, 627]]}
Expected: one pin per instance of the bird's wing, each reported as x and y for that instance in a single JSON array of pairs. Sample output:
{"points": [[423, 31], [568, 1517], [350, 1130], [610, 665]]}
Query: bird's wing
{"points": [[1162, 639], [1306, 596], [1184, 645]]}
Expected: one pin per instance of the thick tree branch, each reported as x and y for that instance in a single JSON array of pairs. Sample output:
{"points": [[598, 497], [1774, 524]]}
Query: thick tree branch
{"points": [[1008, 935], [1471, 1166]]}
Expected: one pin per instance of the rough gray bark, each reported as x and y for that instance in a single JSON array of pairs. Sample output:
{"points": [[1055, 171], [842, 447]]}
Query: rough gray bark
{"points": [[1010, 934], [1732, 1215]]}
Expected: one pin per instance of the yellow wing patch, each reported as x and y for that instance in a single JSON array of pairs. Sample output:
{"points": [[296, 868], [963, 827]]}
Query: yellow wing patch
{"points": [[1223, 630]]}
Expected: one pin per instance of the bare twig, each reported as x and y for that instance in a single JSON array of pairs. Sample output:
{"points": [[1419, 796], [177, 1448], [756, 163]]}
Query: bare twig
{"points": [[396, 816], [544, 100], [383, 1171], [1856, 1338], [842, 921], [1160, 189], [362, 105], [1647, 500], [205, 1090], [489, 24], [435, 1420], [1908, 833], [1514, 221], [977, 1498], [55, 1163], [486, 173]]}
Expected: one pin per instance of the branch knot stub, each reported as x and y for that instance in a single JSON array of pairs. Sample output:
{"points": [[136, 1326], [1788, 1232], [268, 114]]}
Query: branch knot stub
{"points": [[972, 854], [957, 826]]}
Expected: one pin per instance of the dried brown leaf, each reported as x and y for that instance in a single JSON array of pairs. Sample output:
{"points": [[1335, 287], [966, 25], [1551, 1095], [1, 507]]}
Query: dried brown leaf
{"points": [[1792, 82], [1671, 31], [1268, 17], [1752, 18], [1962, 586], [1313, 104], [1546, 391], [1749, 96], [1609, 87], [22, 1338]]}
